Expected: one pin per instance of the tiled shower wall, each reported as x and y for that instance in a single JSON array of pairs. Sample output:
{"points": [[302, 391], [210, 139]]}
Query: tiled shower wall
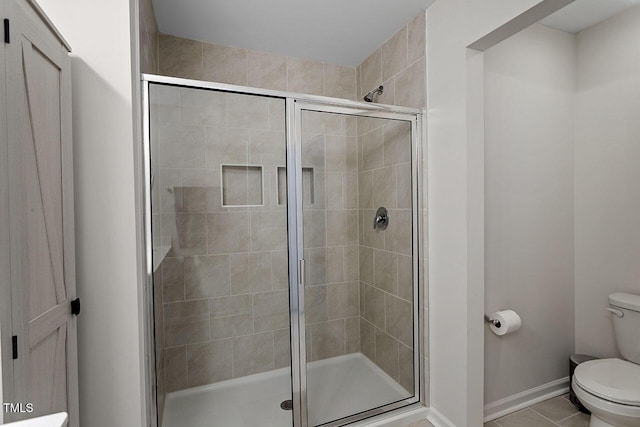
{"points": [[386, 314], [333, 325], [400, 66], [148, 38], [329, 146], [332, 299], [225, 282], [179, 57]]}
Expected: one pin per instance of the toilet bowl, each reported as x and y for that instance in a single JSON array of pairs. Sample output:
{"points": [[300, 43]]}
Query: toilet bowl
{"points": [[610, 389]]}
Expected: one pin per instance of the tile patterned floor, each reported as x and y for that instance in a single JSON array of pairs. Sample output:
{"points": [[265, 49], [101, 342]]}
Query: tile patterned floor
{"points": [[555, 412]]}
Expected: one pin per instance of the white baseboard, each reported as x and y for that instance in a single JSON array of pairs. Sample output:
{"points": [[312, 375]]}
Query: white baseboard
{"points": [[438, 420], [526, 398]]}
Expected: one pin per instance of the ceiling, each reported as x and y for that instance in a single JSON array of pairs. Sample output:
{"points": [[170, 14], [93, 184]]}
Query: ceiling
{"points": [[582, 14], [336, 31]]}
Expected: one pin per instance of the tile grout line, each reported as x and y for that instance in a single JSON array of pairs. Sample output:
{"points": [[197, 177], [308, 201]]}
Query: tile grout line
{"points": [[576, 415], [570, 416], [543, 416]]}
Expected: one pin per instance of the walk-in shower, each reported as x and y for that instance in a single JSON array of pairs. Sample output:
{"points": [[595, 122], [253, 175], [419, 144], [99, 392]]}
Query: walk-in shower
{"points": [[283, 232]]}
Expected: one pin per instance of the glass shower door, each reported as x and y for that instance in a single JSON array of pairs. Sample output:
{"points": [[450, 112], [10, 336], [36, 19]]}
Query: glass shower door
{"points": [[284, 258], [359, 311], [221, 277]]}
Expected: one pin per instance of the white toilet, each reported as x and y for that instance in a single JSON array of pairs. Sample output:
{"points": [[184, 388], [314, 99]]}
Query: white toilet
{"points": [[610, 388]]}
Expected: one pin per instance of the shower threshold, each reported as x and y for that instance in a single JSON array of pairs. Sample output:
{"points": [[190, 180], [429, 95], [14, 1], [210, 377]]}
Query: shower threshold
{"points": [[337, 387]]}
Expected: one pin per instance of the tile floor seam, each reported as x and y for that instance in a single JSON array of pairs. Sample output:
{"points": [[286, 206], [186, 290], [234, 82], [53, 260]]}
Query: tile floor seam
{"points": [[543, 416], [577, 414], [566, 418]]}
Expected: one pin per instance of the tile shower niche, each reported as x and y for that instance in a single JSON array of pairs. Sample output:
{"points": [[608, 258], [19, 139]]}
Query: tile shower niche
{"points": [[308, 190], [241, 185]]}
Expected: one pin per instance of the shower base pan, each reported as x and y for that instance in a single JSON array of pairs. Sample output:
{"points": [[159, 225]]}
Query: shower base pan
{"points": [[337, 387]]}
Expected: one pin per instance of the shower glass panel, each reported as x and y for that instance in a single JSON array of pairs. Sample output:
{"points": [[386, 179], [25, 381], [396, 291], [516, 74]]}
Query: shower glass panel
{"points": [[221, 281], [284, 237], [359, 285]]}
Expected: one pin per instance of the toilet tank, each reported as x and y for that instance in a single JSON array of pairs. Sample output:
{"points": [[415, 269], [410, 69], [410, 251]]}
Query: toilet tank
{"points": [[627, 327]]}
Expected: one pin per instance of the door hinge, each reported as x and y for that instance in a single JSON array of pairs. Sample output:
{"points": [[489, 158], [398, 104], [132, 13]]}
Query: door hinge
{"points": [[7, 33], [14, 345], [75, 307]]}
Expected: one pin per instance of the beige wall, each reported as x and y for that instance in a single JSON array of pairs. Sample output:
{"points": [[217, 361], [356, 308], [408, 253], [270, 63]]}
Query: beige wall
{"points": [[607, 204], [529, 110]]}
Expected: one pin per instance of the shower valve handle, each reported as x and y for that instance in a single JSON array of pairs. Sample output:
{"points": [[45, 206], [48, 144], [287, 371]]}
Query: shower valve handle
{"points": [[381, 220]]}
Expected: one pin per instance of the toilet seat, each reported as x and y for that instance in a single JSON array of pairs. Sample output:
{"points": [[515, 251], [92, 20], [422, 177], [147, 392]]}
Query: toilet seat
{"points": [[614, 380]]}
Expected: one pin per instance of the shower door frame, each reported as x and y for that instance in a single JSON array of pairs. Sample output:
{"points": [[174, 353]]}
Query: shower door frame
{"points": [[295, 107], [295, 103]]}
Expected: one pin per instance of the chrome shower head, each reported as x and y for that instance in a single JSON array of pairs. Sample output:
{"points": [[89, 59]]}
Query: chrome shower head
{"points": [[370, 97]]}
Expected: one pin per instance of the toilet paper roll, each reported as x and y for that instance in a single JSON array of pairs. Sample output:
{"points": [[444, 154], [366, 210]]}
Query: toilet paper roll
{"points": [[509, 322]]}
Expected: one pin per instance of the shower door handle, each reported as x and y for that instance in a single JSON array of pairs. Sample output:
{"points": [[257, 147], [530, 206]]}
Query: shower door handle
{"points": [[301, 272]]}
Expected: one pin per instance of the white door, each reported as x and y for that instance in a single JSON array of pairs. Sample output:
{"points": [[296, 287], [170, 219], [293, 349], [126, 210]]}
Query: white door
{"points": [[41, 215]]}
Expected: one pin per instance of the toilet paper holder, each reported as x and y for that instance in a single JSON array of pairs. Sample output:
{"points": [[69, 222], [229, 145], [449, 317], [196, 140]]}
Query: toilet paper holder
{"points": [[494, 322]]}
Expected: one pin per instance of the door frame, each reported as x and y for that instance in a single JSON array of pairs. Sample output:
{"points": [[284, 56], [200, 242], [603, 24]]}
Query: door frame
{"points": [[295, 103]]}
